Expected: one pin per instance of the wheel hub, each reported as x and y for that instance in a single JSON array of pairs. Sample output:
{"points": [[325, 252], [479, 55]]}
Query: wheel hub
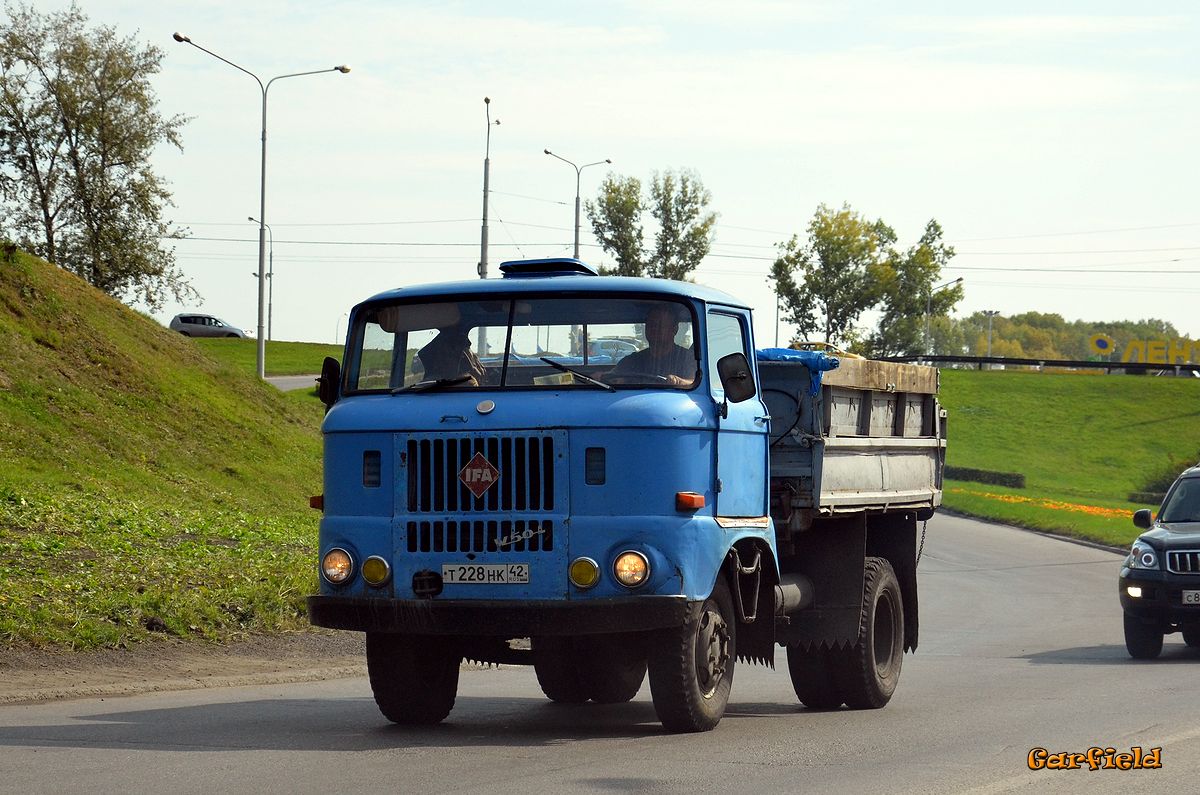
{"points": [[712, 651]]}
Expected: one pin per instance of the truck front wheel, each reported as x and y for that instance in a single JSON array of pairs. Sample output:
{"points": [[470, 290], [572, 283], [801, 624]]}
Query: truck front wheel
{"points": [[608, 669], [414, 678], [691, 667], [869, 670]]}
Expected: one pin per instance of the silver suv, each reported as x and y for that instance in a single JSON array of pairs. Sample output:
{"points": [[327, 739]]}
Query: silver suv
{"points": [[204, 326]]}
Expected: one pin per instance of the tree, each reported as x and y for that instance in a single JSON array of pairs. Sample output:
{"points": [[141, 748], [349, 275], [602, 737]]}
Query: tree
{"points": [[906, 287], [78, 123], [677, 202], [826, 284], [616, 218]]}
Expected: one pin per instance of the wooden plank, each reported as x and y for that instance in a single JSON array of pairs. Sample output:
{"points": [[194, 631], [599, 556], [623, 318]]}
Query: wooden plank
{"points": [[883, 376]]}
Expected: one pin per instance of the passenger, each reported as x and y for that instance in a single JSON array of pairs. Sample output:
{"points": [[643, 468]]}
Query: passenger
{"points": [[662, 357], [449, 356]]}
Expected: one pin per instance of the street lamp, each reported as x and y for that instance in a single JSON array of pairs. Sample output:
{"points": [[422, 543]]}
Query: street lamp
{"points": [[262, 194], [270, 276], [487, 164], [578, 171], [991, 313], [929, 311]]}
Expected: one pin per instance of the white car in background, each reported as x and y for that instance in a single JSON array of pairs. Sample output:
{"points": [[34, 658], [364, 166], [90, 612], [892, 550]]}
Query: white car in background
{"points": [[191, 325]]}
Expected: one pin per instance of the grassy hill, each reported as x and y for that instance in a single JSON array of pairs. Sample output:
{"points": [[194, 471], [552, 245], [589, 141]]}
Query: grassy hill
{"points": [[1083, 442], [145, 487], [282, 358]]}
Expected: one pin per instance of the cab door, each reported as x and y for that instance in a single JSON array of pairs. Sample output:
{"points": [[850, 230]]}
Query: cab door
{"points": [[741, 448]]}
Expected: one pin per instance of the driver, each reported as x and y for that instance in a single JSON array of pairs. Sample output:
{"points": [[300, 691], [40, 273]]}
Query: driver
{"points": [[661, 357], [449, 355]]}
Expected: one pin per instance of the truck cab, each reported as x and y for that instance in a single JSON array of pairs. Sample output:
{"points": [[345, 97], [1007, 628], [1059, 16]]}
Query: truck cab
{"points": [[500, 488]]}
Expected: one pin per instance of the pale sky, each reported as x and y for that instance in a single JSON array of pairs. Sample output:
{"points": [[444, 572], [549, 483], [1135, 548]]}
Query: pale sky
{"points": [[1054, 142]]}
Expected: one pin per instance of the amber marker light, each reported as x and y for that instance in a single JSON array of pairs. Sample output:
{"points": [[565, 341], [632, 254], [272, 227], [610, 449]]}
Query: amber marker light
{"points": [[688, 501], [376, 571], [337, 566], [631, 569], [584, 572]]}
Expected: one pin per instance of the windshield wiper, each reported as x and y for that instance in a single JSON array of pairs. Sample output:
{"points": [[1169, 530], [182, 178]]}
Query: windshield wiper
{"points": [[577, 374], [425, 386]]}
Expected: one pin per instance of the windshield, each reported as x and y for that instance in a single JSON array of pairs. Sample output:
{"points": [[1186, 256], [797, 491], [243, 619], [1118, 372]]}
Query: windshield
{"points": [[1183, 503], [505, 342]]}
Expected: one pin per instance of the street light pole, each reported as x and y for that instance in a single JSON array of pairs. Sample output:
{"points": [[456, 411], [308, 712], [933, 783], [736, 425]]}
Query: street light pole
{"points": [[991, 313], [578, 173], [487, 165], [929, 311], [270, 275], [262, 193]]}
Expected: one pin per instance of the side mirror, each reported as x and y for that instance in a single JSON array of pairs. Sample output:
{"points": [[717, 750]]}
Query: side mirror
{"points": [[1143, 518], [736, 377], [327, 384]]}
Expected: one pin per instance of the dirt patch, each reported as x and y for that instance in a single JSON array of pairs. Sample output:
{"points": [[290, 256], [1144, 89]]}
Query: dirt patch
{"points": [[37, 675]]}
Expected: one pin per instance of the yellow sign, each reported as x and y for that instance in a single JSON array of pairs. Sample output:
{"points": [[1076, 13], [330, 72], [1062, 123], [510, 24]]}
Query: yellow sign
{"points": [[1102, 344], [1162, 351]]}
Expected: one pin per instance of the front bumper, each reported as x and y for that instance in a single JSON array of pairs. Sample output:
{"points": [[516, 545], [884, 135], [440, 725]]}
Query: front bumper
{"points": [[1162, 596], [497, 618]]}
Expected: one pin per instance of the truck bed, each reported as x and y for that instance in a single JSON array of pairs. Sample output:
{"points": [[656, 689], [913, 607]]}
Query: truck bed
{"points": [[871, 438]]}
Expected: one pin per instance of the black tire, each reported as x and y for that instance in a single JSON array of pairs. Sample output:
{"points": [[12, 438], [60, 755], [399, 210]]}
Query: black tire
{"points": [[607, 669], [1143, 641], [612, 667], [414, 678], [184, 333], [231, 336], [1191, 636], [691, 666], [867, 672], [812, 678], [554, 664]]}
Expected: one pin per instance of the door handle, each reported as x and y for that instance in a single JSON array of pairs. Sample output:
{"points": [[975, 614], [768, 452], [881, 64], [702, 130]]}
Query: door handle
{"points": [[763, 418]]}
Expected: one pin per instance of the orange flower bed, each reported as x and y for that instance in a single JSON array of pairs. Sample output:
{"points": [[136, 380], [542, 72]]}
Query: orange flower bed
{"points": [[1055, 505]]}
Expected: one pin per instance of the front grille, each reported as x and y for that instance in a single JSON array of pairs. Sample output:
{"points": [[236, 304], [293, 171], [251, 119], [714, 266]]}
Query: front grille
{"points": [[525, 464], [1183, 561], [479, 536]]}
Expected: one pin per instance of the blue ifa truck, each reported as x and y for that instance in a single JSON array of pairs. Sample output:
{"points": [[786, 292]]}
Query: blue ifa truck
{"points": [[598, 477]]}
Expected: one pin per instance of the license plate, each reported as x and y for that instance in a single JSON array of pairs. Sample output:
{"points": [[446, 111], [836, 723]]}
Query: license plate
{"points": [[1191, 597], [487, 573]]}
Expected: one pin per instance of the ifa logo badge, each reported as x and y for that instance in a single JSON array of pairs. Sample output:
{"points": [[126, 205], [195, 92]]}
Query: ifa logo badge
{"points": [[479, 475]]}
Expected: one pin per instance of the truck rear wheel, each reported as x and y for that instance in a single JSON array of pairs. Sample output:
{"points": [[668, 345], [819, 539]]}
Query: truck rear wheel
{"points": [[1143, 641], [691, 666], [812, 677], [414, 678], [867, 672], [608, 669]]}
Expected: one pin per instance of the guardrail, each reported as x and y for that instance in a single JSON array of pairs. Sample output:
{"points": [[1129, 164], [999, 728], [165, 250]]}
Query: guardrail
{"points": [[1129, 368]]}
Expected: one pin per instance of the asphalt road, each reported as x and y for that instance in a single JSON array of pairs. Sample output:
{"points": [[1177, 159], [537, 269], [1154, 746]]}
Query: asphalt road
{"points": [[287, 383], [1021, 647]]}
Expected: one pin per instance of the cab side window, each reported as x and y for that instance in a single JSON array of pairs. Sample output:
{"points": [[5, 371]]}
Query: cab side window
{"points": [[725, 336]]}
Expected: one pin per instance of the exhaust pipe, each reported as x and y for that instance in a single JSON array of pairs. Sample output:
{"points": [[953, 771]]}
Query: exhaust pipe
{"points": [[794, 592]]}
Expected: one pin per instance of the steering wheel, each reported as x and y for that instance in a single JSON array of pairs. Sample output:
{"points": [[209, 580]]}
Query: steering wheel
{"points": [[637, 378]]}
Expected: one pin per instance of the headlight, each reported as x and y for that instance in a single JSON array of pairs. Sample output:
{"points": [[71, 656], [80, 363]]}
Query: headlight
{"points": [[337, 566], [1142, 556], [631, 569]]}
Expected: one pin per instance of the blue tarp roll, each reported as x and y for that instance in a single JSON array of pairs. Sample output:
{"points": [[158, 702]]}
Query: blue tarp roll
{"points": [[817, 362]]}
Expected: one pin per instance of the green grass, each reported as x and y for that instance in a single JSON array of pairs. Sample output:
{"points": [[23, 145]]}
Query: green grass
{"points": [[145, 487], [1083, 442], [281, 358]]}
